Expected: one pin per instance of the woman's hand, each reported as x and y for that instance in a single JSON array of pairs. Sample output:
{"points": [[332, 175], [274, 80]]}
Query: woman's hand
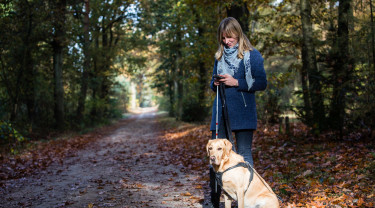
{"points": [[228, 80]]}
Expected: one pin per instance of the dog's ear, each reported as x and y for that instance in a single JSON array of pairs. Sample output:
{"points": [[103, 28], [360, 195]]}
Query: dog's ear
{"points": [[208, 144], [228, 146]]}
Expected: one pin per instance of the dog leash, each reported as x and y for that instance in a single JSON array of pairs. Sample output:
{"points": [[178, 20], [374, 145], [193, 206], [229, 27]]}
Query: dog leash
{"points": [[228, 129]]}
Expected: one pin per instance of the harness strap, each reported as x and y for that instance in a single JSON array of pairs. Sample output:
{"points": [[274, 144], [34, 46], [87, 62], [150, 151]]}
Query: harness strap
{"points": [[219, 175]]}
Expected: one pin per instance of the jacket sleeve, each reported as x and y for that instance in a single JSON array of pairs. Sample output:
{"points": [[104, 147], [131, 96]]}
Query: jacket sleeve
{"points": [[212, 78], [258, 73]]}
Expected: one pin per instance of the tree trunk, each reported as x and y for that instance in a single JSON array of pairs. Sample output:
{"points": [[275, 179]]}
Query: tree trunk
{"points": [[180, 86], [95, 83], [310, 65], [86, 62], [241, 14], [57, 46], [306, 94], [342, 69], [373, 65], [105, 82], [59, 90], [139, 90], [372, 36], [171, 95], [180, 74], [24, 87], [28, 66], [202, 83], [202, 79]]}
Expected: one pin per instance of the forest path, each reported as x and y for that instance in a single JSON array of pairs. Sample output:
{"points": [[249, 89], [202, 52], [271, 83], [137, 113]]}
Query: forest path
{"points": [[122, 169]]}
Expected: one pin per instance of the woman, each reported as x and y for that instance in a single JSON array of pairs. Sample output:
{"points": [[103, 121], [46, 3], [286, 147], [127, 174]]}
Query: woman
{"points": [[242, 71]]}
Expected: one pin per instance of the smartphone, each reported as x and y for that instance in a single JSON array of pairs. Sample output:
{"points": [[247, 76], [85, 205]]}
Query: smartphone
{"points": [[217, 76]]}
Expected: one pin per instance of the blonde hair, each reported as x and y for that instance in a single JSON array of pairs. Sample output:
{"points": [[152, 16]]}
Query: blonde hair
{"points": [[230, 27]]}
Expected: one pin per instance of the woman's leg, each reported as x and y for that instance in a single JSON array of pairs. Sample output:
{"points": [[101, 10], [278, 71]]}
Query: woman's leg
{"points": [[244, 140]]}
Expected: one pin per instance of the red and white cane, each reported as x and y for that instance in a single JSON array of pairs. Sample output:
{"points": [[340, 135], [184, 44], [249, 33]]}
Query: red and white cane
{"points": [[217, 111], [217, 121]]}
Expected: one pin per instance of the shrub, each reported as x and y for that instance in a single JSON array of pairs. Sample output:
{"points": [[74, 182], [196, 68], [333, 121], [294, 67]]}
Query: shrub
{"points": [[10, 138], [194, 111]]}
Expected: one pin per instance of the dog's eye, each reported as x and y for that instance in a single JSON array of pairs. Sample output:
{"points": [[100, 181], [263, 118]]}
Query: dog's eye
{"points": [[210, 148], [219, 148]]}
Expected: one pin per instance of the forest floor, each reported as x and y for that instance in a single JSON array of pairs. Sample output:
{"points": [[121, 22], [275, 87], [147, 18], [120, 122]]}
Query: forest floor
{"points": [[150, 160], [115, 166]]}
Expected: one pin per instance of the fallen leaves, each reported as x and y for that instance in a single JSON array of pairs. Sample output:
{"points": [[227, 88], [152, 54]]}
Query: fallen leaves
{"points": [[304, 171], [320, 172]]}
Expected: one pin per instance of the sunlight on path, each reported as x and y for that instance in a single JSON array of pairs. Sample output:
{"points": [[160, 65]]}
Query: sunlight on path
{"points": [[143, 110], [148, 112]]}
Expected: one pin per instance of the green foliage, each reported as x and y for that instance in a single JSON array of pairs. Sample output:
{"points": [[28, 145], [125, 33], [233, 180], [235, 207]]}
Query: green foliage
{"points": [[6, 9], [269, 109], [168, 46], [275, 33], [27, 85], [184, 34], [10, 137], [193, 110], [361, 103]]}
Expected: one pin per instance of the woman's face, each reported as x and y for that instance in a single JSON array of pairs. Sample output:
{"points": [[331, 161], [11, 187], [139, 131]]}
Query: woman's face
{"points": [[229, 41]]}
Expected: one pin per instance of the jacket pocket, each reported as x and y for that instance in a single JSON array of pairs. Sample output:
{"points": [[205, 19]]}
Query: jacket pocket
{"points": [[243, 98]]}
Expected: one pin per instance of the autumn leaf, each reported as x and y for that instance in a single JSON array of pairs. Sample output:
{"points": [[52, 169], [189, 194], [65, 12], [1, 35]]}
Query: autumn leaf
{"points": [[186, 194], [305, 171]]}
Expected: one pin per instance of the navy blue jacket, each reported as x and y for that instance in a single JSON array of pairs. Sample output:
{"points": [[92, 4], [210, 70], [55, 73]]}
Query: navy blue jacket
{"points": [[241, 101]]}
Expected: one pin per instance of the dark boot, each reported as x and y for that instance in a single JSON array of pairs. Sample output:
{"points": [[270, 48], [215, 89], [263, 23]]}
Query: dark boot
{"points": [[215, 189]]}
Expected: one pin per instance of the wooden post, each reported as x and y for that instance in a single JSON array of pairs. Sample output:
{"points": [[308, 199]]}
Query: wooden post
{"points": [[287, 126], [281, 125]]}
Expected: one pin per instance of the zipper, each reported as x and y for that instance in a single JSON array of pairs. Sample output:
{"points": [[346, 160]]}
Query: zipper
{"points": [[243, 99]]}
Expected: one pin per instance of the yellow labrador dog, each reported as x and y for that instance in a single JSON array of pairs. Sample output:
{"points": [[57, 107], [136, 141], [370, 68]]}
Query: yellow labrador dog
{"points": [[235, 181]]}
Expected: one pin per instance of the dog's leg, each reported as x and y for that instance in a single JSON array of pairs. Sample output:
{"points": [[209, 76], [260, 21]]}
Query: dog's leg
{"points": [[241, 198], [227, 201]]}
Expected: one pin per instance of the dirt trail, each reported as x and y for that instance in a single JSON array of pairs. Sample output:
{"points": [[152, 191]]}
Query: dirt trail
{"points": [[124, 169]]}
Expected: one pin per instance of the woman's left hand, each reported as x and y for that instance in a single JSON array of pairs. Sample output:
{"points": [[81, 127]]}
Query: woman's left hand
{"points": [[228, 80]]}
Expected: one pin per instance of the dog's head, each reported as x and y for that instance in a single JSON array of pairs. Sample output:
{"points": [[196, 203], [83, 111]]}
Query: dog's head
{"points": [[218, 150]]}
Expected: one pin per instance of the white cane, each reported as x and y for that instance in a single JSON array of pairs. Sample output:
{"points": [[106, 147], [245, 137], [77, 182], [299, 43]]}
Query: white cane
{"points": [[217, 121], [217, 111]]}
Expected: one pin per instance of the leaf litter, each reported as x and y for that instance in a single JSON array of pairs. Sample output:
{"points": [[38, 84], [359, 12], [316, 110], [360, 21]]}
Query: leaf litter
{"points": [[169, 168]]}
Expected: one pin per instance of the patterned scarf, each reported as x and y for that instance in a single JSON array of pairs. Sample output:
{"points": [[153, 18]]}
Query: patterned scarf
{"points": [[230, 63]]}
